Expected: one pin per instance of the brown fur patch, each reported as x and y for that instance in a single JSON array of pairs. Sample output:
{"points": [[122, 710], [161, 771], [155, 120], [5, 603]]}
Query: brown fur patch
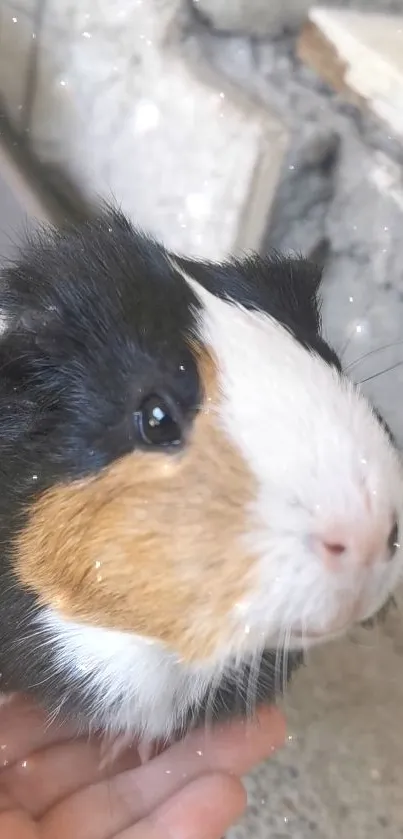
{"points": [[151, 545]]}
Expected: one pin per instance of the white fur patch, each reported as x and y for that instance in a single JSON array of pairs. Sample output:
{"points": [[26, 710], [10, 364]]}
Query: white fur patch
{"points": [[323, 464], [139, 686]]}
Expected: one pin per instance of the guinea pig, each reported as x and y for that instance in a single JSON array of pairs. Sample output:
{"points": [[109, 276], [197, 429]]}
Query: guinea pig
{"points": [[192, 492]]}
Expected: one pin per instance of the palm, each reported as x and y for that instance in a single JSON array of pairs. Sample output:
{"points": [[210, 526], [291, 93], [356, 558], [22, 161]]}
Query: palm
{"points": [[55, 786]]}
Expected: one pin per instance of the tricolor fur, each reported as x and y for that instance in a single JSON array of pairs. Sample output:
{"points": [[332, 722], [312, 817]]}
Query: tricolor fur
{"points": [[145, 587]]}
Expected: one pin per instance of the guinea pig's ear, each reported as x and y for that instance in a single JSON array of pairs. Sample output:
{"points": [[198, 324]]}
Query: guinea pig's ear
{"points": [[299, 292], [284, 287]]}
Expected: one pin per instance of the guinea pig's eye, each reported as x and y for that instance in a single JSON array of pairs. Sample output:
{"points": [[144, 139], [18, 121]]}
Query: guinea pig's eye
{"points": [[156, 423]]}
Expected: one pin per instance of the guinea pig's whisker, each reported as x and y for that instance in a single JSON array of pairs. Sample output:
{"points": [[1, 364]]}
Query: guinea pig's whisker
{"points": [[236, 675], [276, 668], [259, 676], [53, 715], [304, 643], [187, 724], [285, 661], [368, 354], [352, 332], [251, 688], [381, 372], [279, 660], [211, 701], [51, 677]]}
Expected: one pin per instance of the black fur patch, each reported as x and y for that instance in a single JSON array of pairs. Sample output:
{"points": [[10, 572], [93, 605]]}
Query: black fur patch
{"points": [[285, 288]]}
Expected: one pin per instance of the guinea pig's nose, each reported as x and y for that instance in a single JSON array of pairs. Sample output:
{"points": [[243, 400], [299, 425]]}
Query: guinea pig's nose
{"points": [[360, 543], [333, 549]]}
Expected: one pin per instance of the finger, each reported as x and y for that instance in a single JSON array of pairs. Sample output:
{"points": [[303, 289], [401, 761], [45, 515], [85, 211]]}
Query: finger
{"points": [[232, 748], [235, 746], [205, 809], [46, 777], [17, 825], [14, 823], [107, 807], [24, 728]]}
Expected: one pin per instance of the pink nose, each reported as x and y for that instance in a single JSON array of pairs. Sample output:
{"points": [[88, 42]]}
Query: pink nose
{"points": [[358, 543]]}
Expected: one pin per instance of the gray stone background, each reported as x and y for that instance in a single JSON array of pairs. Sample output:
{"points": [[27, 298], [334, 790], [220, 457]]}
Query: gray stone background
{"points": [[340, 184], [340, 194]]}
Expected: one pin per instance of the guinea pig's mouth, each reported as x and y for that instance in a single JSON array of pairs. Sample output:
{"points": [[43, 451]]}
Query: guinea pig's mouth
{"points": [[301, 637], [356, 613]]}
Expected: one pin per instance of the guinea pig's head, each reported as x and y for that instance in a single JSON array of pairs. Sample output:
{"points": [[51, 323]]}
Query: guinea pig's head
{"points": [[188, 481]]}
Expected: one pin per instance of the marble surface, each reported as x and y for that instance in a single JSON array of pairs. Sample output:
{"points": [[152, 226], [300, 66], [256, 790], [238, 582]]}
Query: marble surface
{"points": [[360, 54], [107, 96], [254, 17]]}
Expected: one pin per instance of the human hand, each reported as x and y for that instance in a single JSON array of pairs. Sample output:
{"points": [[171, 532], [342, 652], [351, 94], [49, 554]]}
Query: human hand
{"points": [[55, 786]]}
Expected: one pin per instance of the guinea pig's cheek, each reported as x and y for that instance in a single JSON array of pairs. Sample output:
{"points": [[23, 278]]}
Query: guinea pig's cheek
{"points": [[147, 549]]}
